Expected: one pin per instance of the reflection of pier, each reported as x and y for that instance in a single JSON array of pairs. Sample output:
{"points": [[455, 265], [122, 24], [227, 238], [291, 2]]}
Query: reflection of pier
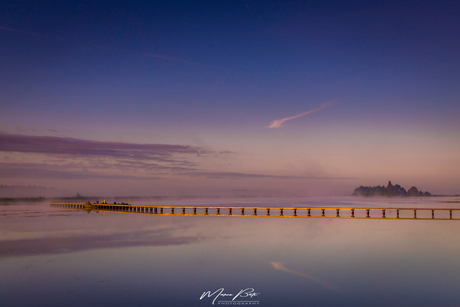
{"points": [[292, 212]]}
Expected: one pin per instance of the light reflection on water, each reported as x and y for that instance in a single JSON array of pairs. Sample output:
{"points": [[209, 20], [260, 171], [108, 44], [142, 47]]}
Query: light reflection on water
{"points": [[55, 257]]}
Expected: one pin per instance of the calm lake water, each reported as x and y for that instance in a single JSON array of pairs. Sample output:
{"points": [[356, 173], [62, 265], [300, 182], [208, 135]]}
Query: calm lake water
{"points": [[58, 257]]}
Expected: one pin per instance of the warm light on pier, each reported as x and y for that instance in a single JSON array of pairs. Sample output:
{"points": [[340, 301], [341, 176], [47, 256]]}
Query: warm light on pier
{"points": [[287, 212]]}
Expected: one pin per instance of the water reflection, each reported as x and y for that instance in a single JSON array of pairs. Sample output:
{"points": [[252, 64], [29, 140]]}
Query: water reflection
{"points": [[68, 257], [280, 266], [26, 247]]}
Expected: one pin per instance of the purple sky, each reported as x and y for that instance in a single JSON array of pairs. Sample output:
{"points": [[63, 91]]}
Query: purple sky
{"points": [[235, 98]]}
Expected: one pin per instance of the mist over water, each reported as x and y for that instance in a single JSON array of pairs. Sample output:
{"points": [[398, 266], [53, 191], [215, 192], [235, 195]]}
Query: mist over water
{"points": [[53, 256]]}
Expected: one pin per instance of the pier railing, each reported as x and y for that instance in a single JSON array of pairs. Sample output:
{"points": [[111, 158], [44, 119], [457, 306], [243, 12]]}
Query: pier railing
{"points": [[287, 212]]}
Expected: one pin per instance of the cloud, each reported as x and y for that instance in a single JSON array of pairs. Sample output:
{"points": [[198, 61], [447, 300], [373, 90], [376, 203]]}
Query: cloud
{"points": [[69, 158], [280, 266], [231, 175], [169, 58], [47, 171], [69, 146], [20, 31], [278, 122]]}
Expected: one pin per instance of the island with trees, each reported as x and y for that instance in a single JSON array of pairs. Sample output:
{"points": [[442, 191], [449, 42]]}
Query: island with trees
{"points": [[390, 190]]}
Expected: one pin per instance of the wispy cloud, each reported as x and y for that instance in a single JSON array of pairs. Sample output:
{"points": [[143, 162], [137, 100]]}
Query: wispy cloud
{"points": [[19, 31], [234, 175], [169, 58], [278, 122], [78, 147], [49, 171], [280, 266], [69, 158]]}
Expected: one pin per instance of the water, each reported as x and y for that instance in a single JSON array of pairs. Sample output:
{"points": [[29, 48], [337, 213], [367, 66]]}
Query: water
{"points": [[57, 257]]}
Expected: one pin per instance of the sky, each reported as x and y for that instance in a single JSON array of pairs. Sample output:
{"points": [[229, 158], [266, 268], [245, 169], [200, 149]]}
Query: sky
{"points": [[254, 98]]}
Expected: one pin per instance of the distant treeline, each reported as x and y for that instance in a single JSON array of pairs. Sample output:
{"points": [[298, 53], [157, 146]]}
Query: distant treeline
{"points": [[390, 190]]}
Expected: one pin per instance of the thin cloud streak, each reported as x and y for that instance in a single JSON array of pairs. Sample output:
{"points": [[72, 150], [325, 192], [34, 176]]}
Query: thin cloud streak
{"points": [[104, 47], [231, 175], [20, 31], [280, 266], [278, 122], [69, 158], [46, 171], [70, 146]]}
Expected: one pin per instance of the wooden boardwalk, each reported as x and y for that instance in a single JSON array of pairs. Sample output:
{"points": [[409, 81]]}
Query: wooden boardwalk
{"points": [[287, 212]]}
